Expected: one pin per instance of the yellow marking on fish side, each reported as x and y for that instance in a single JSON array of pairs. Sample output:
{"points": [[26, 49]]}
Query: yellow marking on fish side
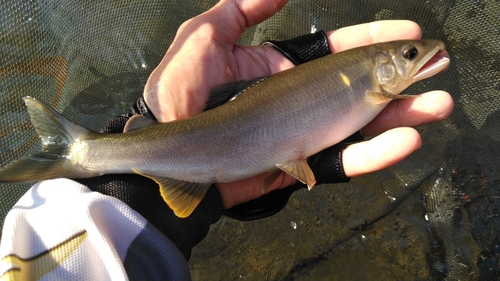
{"points": [[345, 79]]}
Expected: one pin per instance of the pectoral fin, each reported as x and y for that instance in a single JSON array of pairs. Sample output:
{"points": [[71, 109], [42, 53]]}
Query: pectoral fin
{"points": [[230, 91], [181, 196], [300, 170], [270, 179], [136, 122], [383, 97]]}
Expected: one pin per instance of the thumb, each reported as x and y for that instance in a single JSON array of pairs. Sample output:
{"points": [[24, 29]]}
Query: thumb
{"points": [[200, 57], [232, 17]]}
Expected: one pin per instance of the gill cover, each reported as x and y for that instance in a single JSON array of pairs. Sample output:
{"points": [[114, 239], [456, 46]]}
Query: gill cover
{"points": [[397, 66]]}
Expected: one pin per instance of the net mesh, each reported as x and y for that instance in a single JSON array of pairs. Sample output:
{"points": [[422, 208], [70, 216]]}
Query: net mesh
{"points": [[435, 216]]}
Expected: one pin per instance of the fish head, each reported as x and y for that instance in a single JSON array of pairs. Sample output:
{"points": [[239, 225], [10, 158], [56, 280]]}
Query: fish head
{"points": [[399, 64]]}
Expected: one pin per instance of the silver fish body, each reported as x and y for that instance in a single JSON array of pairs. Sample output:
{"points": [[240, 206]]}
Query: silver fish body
{"points": [[277, 122], [244, 137]]}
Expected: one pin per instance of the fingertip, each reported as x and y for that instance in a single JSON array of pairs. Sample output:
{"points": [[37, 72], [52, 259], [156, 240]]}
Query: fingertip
{"points": [[444, 105], [433, 106], [392, 146], [373, 32], [400, 30], [430, 107], [380, 152], [257, 11]]}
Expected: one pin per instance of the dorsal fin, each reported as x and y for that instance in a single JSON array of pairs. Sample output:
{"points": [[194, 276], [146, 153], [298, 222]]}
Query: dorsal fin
{"points": [[230, 91]]}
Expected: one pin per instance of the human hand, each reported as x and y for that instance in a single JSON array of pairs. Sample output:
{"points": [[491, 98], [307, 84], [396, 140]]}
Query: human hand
{"points": [[204, 54]]}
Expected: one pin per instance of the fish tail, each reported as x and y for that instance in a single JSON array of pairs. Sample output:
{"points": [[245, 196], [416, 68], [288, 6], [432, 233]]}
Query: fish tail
{"points": [[33, 168], [57, 135]]}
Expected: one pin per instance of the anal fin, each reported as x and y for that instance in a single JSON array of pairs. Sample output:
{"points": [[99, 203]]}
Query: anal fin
{"points": [[300, 170], [181, 196]]}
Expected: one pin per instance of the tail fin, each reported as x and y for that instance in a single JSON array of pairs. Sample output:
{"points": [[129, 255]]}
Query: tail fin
{"points": [[57, 135]]}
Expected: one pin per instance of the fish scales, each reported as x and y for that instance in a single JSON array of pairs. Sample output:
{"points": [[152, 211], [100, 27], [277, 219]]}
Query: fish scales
{"points": [[235, 143]]}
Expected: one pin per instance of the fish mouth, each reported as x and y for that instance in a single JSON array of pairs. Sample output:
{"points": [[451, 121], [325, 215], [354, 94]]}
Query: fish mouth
{"points": [[434, 62]]}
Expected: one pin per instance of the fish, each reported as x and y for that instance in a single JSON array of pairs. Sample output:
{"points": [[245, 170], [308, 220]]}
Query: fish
{"points": [[272, 124]]}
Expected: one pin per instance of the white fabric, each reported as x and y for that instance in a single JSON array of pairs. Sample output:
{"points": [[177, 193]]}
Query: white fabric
{"points": [[93, 232]]}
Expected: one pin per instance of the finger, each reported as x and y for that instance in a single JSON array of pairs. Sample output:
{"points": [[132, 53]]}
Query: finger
{"points": [[241, 191], [256, 11], [423, 109], [373, 32], [350, 37], [201, 52], [380, 152], [231, 17]]}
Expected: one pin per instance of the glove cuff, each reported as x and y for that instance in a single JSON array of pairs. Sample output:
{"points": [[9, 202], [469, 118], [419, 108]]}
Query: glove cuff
{"points": [[303, 48], [141, 108]]}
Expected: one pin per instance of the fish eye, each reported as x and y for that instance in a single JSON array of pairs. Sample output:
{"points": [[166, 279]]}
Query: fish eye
{"points": [[410, 52]]}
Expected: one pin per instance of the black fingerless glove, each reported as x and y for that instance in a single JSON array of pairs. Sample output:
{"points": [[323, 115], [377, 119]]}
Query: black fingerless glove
{"points": [[142, 194], [304, 48]]}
